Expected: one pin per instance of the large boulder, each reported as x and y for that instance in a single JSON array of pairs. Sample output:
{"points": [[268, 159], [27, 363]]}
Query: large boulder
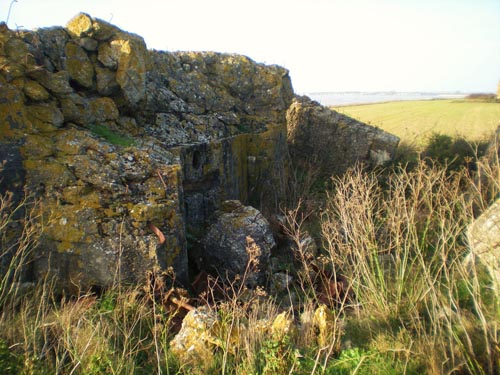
{"points": [[239, 243], [195, 343], [332, 141], [484, 240]]}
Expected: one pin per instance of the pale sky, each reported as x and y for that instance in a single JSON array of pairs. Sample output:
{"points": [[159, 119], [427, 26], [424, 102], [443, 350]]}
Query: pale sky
{"points": [[328, 45]]}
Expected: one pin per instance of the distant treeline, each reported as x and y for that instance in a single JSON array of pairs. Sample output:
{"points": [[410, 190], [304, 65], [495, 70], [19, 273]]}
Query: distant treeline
{"points": [[482, 96]]}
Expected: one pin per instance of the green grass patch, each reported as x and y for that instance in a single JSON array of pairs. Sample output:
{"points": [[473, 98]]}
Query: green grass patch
{"points": [[10, 364], [415, 121], [111, 136]]}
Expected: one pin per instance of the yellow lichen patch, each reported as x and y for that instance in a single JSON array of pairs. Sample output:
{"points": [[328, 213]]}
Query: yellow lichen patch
{"points": [[168, 181], [112, 156], [102, 109], [17, 52], [193, 345], [148, 212], [71, 142], [173, 173], [78, 65], [282, 326], [42, 127], [57, 83], [121, 45], [173, 248], [131, 71], [174, 219], [72, 194], [325, 323], [35, 91], [13, 119], [47, 172], [80, 25], [37, 147], [110, 212], [81, 196], [154, 189], [66, 247], [71, 225], [45, 114]]}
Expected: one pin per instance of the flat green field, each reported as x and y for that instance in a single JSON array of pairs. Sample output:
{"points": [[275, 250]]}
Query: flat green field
{"points": [[415, 121]]}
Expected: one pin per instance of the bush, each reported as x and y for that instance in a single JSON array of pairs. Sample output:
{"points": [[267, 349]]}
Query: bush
{"points": [[10, 364], [482, 97], [454, 153]]}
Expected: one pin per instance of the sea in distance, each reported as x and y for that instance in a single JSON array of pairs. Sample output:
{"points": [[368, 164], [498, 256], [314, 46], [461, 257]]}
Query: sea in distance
{"points": [[359, 97]]}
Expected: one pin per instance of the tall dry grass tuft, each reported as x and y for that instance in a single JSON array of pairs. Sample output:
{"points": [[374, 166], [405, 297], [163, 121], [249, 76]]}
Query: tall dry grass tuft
{"points": [[401, 245], [20, 228], [125, 332]]}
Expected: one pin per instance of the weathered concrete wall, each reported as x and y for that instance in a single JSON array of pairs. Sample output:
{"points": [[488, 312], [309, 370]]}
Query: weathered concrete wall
{"points": [[332, 141], [126, 147], [132, 151]]}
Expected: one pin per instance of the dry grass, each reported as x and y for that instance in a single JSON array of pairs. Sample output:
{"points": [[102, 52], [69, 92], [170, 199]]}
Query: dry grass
{"points": [[391, 292], [404, 252]]}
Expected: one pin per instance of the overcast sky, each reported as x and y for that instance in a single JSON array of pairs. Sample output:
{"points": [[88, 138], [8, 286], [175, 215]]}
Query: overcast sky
{"points": [[328, 45]]}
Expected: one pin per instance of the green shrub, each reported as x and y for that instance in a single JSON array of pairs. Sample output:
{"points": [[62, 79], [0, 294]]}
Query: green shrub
{"points": [[455, 153], [366, 362], [276, 356], [10, 364]]}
